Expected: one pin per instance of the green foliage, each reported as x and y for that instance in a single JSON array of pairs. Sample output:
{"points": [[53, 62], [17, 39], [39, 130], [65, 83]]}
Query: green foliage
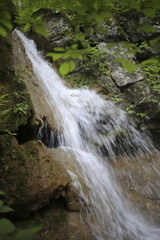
{"points": [[7, 229], [83, 14], [28, 18], [149, 12], [66, 53], [67, 67], [128, 65], [130, 108], [4, 111], [146, 28], [22, 101], [141, 114], [94, 58], [26, 234], [21, 109], [5, 19], [151, 69], [3, 208], [117, 98], [6, 226]]}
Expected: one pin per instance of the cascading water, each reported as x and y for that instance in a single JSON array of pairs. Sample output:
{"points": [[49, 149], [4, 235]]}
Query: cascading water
{"points": [[89, 126]]}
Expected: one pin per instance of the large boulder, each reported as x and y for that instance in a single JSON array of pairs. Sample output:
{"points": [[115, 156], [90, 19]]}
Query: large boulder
{"points": [[30, 175]]}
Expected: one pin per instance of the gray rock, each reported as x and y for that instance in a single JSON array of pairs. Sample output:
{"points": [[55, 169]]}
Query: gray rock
{"points": [[123, 78]]}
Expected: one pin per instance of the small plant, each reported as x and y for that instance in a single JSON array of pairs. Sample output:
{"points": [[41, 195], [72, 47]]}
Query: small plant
{"points": [[7, 229], [117, 98], [93, 58], [143, 45], [130, 108], [141, 114], [151, 69], [21, 109]]}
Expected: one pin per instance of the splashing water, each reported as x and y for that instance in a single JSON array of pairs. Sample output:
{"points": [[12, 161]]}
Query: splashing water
{"points": [[90, 126]]}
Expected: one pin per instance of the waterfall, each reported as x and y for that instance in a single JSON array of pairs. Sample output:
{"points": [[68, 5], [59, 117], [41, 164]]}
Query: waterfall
{"points": [[95, 131]]}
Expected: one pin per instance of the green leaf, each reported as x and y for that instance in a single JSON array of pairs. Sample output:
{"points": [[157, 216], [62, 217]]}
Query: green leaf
{"points": [[40, 29], [5, 209], [141, 114], [146, 28], [5, 23], [67, 67], [156, 86], [3, 32], [5, 15], [80, 37], [135, 5], [77, 54], [149, 12], [149, 61], [27, 27], [26, 234], [2, 193], [106, 14], [155, 41], [1, 204], [4, 112], [129, 66], [99, 19], [74, 46], [6, 226], [55, 56]]}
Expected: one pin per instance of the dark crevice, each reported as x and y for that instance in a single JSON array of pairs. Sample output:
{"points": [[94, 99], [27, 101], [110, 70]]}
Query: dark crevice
{"points": [[46, 135], [25, 133]]}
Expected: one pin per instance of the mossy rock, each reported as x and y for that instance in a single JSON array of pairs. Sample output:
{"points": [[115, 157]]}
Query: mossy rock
{"points": [[26, 176], [57, 224], [14, 92]]}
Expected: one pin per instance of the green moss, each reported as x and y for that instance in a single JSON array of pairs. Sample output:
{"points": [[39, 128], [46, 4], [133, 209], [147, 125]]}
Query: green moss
{"points": [[80, 81]]}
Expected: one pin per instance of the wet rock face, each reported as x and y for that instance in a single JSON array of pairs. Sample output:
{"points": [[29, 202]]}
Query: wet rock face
{"points": [[139, 178]]}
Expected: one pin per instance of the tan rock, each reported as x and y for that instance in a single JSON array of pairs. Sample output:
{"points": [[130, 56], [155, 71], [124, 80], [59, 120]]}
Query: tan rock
{"points": [[139, 178], [30, 176]]}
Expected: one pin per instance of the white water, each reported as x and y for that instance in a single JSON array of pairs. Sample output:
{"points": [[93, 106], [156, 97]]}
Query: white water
{"points": [[88, 125]]}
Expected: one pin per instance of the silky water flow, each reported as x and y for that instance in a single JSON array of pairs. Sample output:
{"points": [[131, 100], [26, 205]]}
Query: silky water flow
{"points": [[90, 127]]}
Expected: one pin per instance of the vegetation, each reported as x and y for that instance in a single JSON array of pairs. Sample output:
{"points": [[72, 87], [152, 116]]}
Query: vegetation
{"points": [[151, 70], [7, 229], [82, 15]]}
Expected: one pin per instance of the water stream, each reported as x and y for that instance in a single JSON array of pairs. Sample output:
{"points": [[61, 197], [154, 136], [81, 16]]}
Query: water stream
{"points": [[91, 127]]}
